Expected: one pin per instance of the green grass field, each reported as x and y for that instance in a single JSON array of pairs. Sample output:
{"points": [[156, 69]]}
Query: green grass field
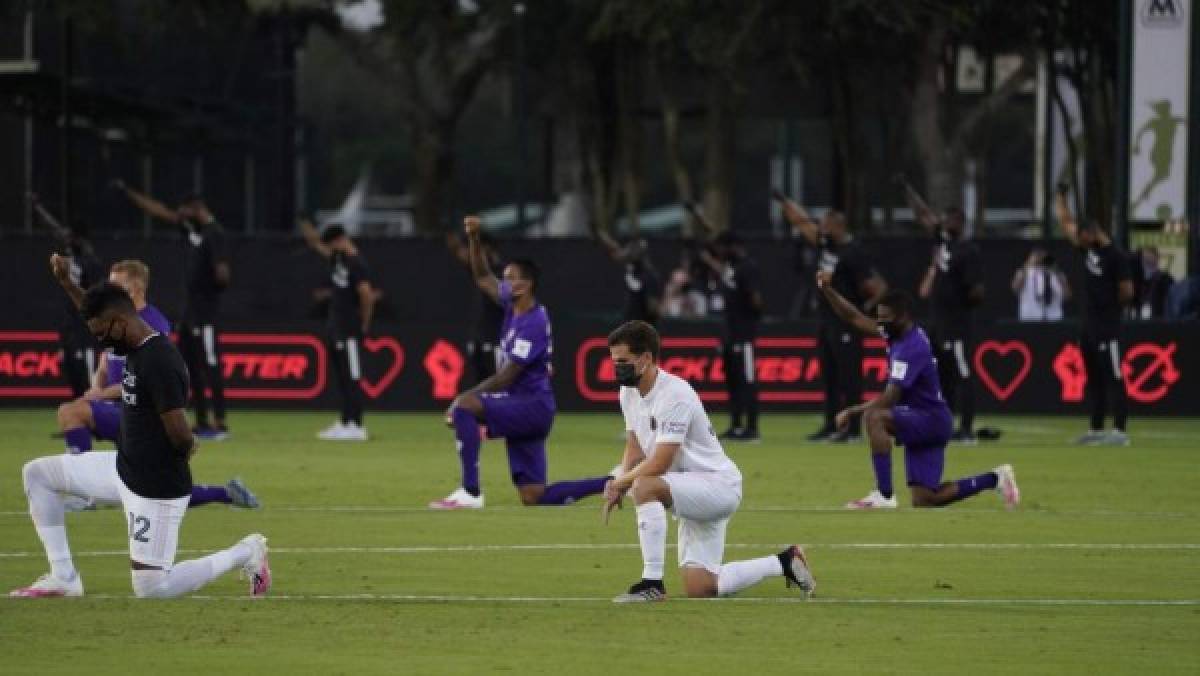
{"points": [[1098, 572]]}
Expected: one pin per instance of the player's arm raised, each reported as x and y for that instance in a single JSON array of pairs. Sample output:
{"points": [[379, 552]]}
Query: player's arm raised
{"points": [[148, 204], [62, 272], [842, 307], [313, 238], [802, 224], [484, 278], [921, 211], [48, 219], [1065, 218], [457, 249], [610, 245]]}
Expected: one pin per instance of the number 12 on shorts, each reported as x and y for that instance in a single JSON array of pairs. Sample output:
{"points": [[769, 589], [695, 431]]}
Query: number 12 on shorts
{"points": [[138, 525]]}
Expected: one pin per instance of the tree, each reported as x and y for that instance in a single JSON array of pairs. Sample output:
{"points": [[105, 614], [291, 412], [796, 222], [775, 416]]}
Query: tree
{"points": [[435, 54]]}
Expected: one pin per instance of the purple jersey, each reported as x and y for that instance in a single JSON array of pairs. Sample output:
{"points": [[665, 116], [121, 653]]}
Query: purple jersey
{"points": [[525, 339], [157, 321], [912, 368]]}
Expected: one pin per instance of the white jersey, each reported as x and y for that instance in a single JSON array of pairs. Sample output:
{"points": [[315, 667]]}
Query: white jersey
{"points": [[672, 413]]}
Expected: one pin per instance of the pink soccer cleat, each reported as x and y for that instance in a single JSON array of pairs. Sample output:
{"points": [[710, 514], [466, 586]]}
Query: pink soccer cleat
{"points": [[459, 499], [257, 569], [48, 586], [873, 500], [1007, 485]]}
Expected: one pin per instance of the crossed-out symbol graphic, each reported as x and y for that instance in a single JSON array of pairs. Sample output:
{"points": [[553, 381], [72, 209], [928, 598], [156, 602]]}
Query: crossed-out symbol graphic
{"points": [[1162, 363]]}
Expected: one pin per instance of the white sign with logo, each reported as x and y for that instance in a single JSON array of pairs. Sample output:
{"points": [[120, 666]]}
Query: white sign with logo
{"points": [[1159, 109]]}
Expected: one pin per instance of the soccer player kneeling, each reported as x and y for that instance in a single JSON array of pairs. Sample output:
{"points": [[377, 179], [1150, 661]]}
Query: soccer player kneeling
{"points": [[149, 474], [673, 460]]}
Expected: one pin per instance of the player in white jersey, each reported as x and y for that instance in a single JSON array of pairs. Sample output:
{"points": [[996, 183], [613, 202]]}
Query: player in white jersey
{"points": [[673, 460]]}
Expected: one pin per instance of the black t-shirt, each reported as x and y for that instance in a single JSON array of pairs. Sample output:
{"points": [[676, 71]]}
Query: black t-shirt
{"points": [[86, 271], [205, 249], [642, 286], [345, 273], [155, 381], [959, 268], [1104, 268], [850, 269], [739, 284]]}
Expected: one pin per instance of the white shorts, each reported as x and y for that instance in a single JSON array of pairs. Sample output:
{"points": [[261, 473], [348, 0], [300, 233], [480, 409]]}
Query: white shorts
{"points": [[152, 524], [704, 503]]}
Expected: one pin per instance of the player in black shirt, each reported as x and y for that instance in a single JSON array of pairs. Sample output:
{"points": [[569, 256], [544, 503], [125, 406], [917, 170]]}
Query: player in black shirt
{"points": [[954, 281], [643, 291], [207, 277], [839, 343], [743, 306], [149, 474], [78, 346], [1109, 288], [351, 306], [481, 347]]}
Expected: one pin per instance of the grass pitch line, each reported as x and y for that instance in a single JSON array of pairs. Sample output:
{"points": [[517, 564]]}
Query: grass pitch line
{"points": [[439, 549], [438, 598]]}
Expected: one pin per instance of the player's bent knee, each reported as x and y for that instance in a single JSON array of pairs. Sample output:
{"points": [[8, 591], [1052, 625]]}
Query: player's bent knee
{"points": [[44, 472], [698, 582], [645, 489], [149, 583], [531, 495]]}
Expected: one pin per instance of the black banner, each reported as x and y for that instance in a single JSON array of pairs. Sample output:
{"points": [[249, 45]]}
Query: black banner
{"points": [[1020, 368]]}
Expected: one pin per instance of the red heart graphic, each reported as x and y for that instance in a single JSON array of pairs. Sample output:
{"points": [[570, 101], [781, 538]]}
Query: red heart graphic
{"points": [[376, 388], [1003, 392]]}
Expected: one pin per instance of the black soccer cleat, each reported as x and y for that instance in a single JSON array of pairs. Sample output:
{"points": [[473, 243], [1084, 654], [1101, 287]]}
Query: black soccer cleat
{"points": [[797, 575], [644, 591]]}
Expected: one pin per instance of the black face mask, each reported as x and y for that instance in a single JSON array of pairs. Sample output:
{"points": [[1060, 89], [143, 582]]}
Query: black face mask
{"points": [[627, 375], [117, 345], [824, 241]]}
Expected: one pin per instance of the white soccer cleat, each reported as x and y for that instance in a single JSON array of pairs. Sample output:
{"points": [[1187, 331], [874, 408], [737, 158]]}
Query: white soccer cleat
{"points": [[1007, 485], [257, 569], [354, 432], [332, 433], [48, 586], [1115, 438], [873, 500], [459, 499]]}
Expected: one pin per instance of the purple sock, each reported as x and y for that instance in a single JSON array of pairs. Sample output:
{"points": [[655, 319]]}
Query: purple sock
{"points": [[566, 492], [202, 495], [78, 439], [972, 485], [883, 473], [466, 433]]}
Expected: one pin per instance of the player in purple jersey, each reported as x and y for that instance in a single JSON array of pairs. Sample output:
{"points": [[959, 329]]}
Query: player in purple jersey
{"points": [[98, 412], [911, 409], [517, 403]]}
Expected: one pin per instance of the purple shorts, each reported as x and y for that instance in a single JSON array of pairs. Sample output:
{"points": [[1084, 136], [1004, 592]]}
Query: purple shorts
{"points": [[523, 422], [106, 419], [924, 434]]}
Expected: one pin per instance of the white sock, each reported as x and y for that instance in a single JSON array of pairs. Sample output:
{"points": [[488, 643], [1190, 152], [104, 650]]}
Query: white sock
{"points": [[740, 575], [188, 576], [58, 552], [652, 534], [43, 479]]}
